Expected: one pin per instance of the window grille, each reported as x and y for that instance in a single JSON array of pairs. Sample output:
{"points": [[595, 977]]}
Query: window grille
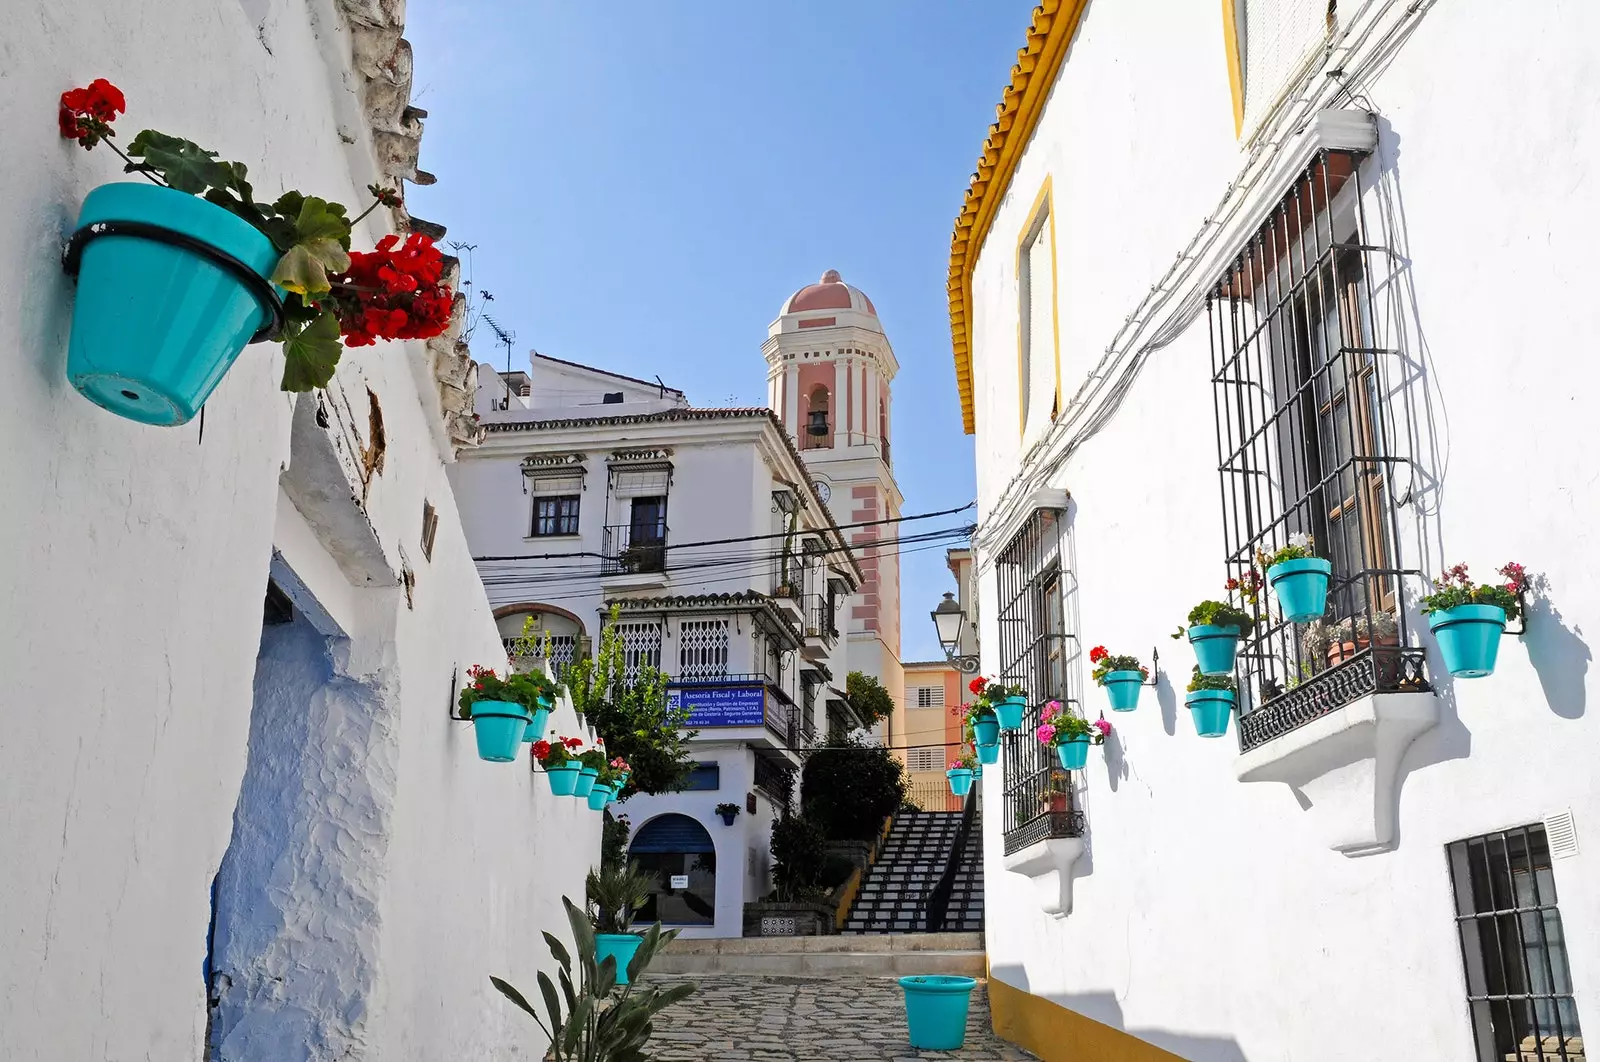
{"points": [[641, 648], [563, 648], [1036, 650], [1519, 987], [702, 649], [926, 758], [1303, 441], [927, 696], [555, 515]]}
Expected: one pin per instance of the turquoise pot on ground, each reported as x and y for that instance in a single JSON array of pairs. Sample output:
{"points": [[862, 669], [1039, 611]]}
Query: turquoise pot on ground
{"points": [[989, 753], [1469, 638], [498, 726], [1210, 710], [987, 730], [1074, 754], [541, 716], [156, 326], [1009, 712], [563, 779], [1302, 587], [936, 1010], [599, 796], [1214, 648], [1123, 688], [586, 778], [960, 781], [618, 946]]}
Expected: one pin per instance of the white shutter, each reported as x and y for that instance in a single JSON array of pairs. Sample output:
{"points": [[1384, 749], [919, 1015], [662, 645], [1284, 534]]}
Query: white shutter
{"points": [[927, 758], [927, 696], [1277, 38], [558, 484], [1040, 337]]}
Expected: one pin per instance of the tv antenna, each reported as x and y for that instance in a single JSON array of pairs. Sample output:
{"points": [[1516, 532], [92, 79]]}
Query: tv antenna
{"points": [[508, 338]]}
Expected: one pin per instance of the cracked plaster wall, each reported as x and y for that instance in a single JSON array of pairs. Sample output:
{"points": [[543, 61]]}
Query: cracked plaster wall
{"points": [[133, 572]]}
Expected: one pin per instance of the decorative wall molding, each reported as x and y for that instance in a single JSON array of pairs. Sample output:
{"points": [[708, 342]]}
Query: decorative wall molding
{"points": [[536, 463], [652, 454], [1048, 865], [1346, 764]]}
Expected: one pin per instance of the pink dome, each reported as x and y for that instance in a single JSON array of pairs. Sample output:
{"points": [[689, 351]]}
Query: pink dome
{"points": [[829, 293]]}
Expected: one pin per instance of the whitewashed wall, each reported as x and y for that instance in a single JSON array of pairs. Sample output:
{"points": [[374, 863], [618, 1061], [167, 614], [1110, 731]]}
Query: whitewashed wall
{"points": [[134, 573], [1209, 917]]}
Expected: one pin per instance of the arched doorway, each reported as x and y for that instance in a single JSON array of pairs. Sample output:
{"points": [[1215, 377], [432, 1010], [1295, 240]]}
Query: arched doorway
{"points": [[567, 636], [678, 852]]}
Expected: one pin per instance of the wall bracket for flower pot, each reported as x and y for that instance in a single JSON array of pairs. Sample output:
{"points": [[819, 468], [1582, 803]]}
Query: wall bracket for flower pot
{"points": [[259, 286], [1155, 670], [1522, 615]]}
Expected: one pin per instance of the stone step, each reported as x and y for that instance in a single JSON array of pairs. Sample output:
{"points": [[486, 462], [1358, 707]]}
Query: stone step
{"points": [[865, 960]]}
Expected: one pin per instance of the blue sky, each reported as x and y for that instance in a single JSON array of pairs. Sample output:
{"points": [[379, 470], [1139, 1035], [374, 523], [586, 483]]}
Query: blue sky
{"points": [[646, 182]]}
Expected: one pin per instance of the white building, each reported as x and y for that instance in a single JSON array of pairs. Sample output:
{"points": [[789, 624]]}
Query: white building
{"points": [[1227, 275], [593, 491], [224, 837]]}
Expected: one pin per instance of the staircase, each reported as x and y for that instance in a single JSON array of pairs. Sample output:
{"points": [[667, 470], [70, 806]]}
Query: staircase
{"points": [[895, 889]]}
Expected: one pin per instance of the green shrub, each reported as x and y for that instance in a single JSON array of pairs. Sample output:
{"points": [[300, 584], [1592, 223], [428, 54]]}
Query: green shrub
{"points": [[849, 788], [799, 858], [868, 697]]}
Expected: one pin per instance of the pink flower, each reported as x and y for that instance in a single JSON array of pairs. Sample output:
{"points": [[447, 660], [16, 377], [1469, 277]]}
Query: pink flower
{"points": [[1046, 733], [1103, 726], [1054, 706]]}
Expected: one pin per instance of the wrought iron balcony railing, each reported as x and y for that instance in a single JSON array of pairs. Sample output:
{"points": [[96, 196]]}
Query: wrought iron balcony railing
{"points": [[634, 548]]}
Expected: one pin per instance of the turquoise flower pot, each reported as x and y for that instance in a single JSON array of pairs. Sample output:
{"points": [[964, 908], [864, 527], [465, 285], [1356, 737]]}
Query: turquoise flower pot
{"points": [[541, 716], [1009, 712], [1123, 688], [156, 326], [563, 779], [960, 781], [1214, 648], [977, 770], [586, 778], [498, 726], [618, 946], [1074, 754], [988, 754], [936, 1010], [987, 730], [1469, 638], [1302, 587], [1210, 710], [611, 798], [599, 796]]}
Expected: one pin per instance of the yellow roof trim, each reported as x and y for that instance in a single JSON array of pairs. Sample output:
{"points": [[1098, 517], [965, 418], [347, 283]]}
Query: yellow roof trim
{"points": [[1049, 35]]}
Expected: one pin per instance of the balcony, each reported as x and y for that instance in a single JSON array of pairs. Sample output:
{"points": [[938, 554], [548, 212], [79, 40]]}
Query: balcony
{"points": [[786, 593], [635, 555], [822, 630]]}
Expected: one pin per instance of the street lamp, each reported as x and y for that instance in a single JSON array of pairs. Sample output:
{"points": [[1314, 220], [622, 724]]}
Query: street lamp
{"points": [[948, 621]]}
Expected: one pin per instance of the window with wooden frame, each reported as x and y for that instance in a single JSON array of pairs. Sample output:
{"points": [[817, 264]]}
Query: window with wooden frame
{"points": [[1303, 426], [555, 514], [1037, 368]]}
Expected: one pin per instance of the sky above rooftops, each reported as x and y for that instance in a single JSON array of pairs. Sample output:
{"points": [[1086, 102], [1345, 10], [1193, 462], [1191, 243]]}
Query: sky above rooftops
{"points": [[646, 183]]}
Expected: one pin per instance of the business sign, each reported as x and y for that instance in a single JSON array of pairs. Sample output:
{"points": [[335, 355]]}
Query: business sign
{"points": [[720, 705], [679, 881]]}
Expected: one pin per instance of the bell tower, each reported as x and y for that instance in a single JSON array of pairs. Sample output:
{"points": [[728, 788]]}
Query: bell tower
{"points": [[829, 371]]}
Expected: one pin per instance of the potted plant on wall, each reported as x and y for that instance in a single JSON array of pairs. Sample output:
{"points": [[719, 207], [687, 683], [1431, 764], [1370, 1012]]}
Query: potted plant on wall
{"points": [[1120, 676], [614, 893], [728, 812], [1211, 700], [961, 772], [499, 713], [1006, 702], [589, 763], [1468, 618], [1070, 735], [176, 274], [559, 759], [540, 693], [1298, 577], [985, 725], [1214, 630]]}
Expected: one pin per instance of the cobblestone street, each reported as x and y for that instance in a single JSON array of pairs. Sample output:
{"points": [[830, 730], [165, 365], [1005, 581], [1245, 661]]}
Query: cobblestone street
{"points": [[771, 1018]]}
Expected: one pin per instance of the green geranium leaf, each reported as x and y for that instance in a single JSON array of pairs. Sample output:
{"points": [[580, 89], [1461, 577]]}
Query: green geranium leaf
{"points": [[304, 268], [185, 165], [310, 353], [320, 220]]}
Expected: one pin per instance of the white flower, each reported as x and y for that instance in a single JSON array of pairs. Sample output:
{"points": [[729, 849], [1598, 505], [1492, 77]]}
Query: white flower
{"points": [[1300, 539]]}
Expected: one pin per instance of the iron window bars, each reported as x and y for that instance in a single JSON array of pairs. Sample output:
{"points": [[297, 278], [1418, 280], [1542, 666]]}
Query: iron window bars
{"points": [[1519, 988], [1036, 652], [1303, 427]]}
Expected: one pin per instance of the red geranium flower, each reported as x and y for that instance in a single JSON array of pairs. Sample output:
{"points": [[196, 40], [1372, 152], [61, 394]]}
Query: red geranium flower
{"points": [[977, 684], [1097, 654], [573, 743], [86, 113], [541, 749]]}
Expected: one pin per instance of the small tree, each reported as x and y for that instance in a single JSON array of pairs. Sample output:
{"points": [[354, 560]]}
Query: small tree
{"points": [[799, 858], [614, 830], [848, 788], [868, 697], [633, 716]]}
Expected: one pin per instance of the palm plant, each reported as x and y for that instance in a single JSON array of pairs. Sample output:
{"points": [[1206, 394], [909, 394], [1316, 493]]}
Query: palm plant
{"points": [[594, 1025], [614, 893]]}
